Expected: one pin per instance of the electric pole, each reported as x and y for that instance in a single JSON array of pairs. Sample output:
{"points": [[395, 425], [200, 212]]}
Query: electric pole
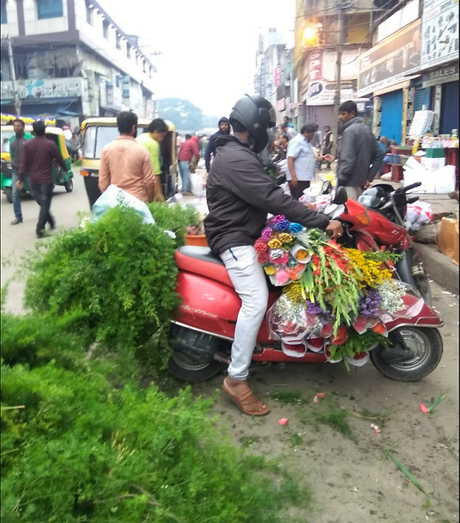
{"points": [[338, 70], [17, 99]]}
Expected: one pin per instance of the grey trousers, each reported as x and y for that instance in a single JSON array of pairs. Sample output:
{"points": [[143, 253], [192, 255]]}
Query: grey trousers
{"points": [[353, 192], [249, 280]]}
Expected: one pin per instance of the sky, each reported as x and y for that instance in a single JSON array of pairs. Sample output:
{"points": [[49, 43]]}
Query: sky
{"points": [[208, 46]]}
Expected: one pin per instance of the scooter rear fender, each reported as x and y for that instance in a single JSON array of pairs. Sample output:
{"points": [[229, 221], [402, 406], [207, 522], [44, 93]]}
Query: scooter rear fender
{"points": [[211, 306]]}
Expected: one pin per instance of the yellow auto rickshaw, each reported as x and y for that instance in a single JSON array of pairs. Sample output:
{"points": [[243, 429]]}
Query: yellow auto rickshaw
{"points": [[60, 177], [98, 132]]}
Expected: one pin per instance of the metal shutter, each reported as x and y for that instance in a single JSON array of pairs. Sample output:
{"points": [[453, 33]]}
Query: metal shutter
{"points": [[449, 108], [392, 109]]}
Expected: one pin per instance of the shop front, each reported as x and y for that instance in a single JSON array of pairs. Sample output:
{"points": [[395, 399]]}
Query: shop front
{"points": [[386, 71]]}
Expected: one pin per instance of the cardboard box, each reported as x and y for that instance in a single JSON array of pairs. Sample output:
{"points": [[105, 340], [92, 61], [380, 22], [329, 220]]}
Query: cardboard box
{"points": [[448, 239], [433, 164]]}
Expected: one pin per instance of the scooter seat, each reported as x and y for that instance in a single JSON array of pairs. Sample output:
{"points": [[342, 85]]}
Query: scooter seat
{"points": [[201, 261]]}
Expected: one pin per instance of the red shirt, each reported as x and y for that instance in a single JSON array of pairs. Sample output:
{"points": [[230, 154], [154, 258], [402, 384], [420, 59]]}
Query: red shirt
{"points": [[188, 150], [37, 160]]}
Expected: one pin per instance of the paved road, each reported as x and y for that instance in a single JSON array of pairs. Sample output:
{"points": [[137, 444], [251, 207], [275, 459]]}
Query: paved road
{"points": [[18, 239]]}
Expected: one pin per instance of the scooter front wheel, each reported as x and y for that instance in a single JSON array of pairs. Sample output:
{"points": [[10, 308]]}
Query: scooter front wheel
{"points": [[414, 354]]}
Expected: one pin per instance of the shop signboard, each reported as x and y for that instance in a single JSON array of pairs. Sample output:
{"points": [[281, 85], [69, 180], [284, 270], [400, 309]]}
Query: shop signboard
{"points": [[349, 69], [391, 61], [439, 32], [323, 93], [442, 75], [46, 88]]}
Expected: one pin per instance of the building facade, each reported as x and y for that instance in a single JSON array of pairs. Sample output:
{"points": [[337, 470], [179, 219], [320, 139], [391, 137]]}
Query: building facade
{"points": [[315, 57], [271, 64], [72, 59], [412, 65]]}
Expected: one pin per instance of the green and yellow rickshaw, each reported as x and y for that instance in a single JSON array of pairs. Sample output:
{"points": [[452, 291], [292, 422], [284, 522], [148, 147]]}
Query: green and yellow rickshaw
{"points": [[60, 177], [98, 132]]}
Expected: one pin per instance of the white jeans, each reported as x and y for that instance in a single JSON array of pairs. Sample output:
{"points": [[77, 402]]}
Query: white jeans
{"points": [[248, 278]]}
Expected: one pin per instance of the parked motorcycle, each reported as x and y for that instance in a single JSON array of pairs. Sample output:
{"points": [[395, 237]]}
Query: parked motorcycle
{"points": [[382, 226], [204, 325]]}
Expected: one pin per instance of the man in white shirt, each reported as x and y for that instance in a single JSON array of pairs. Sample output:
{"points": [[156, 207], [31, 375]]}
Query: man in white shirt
{"points": [[302, 161]]}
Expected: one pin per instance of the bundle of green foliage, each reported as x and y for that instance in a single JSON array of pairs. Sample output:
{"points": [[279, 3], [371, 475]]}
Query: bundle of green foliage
{"points": [[74, 449], [175, 218], [114, 280]]}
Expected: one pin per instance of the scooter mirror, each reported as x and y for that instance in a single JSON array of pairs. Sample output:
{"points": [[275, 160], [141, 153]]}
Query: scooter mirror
{"points": [[326, 188], [341, 196]]}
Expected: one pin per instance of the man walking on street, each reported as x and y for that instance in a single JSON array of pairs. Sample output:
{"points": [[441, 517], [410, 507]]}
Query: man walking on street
{"points": [[239, 196], [17, 143], [37, 160], [359, 155], [156, 131], [224, 130], [302, 161], [188, 151], [126, 163]]}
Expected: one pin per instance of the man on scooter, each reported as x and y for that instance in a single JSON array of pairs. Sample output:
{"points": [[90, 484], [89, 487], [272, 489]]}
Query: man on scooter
{"points": [[239, 195]]}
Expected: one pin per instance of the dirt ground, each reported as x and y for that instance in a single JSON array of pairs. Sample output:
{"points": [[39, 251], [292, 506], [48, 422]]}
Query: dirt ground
{"points": [[352, 478], [333, 451]]}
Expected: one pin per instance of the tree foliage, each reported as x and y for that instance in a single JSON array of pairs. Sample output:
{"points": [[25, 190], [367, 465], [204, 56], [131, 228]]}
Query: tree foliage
{"points": [[182, 113]]}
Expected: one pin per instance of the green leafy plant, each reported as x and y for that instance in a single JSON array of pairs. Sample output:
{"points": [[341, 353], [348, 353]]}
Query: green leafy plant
{"points": [[175, 218], [114, 280], [83, 451]]}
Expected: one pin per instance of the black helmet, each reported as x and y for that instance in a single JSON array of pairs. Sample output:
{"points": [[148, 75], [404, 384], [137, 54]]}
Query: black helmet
{"points": [[373, 197], [257, 115]]}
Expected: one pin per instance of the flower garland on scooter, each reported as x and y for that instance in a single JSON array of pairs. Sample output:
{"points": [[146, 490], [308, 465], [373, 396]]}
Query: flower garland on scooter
{"points": [[333, 298]]}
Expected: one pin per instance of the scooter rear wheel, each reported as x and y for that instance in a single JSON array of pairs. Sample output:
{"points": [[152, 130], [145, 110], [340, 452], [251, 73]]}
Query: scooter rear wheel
{"points": [[426, 346], [192, 358], [187, 371]]}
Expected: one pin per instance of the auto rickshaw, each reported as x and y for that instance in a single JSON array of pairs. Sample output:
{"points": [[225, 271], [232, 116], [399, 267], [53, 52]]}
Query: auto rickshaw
{"points": [[60, 177], [98, 132]]}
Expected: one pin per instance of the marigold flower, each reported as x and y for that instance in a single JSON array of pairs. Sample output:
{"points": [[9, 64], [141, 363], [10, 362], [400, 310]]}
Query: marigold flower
{"points": [[284, 237], [274, 244]]}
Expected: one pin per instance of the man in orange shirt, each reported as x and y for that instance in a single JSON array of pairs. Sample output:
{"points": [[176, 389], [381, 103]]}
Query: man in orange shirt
{"points": [[126, 163]]}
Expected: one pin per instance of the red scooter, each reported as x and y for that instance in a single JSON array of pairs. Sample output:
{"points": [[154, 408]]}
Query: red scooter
{"points": [[203, 328]]}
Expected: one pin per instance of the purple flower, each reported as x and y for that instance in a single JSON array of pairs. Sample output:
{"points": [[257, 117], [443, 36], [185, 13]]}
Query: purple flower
{"points": [[369, 303], [314, 308], [283, 225]]}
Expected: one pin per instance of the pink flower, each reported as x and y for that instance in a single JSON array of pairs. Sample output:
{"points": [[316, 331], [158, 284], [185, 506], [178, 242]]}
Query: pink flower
{"points": [[266, 233], [284, 258], [282, 277]]}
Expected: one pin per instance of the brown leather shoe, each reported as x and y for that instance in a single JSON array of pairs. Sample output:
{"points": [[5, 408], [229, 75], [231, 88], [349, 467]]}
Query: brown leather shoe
{"points": [[16, 221], [243, 396]]}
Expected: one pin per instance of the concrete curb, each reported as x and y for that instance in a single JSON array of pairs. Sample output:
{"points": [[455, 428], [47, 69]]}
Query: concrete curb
{"points": [[440, 268]]}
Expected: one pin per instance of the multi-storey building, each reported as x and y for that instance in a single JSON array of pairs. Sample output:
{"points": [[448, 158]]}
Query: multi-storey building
{"points": [[271, 63], [315, 56], [72, 59]]}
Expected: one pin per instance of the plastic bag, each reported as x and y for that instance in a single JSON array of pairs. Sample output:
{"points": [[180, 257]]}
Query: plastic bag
{"points": [[114, 196], [285, 318]]}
